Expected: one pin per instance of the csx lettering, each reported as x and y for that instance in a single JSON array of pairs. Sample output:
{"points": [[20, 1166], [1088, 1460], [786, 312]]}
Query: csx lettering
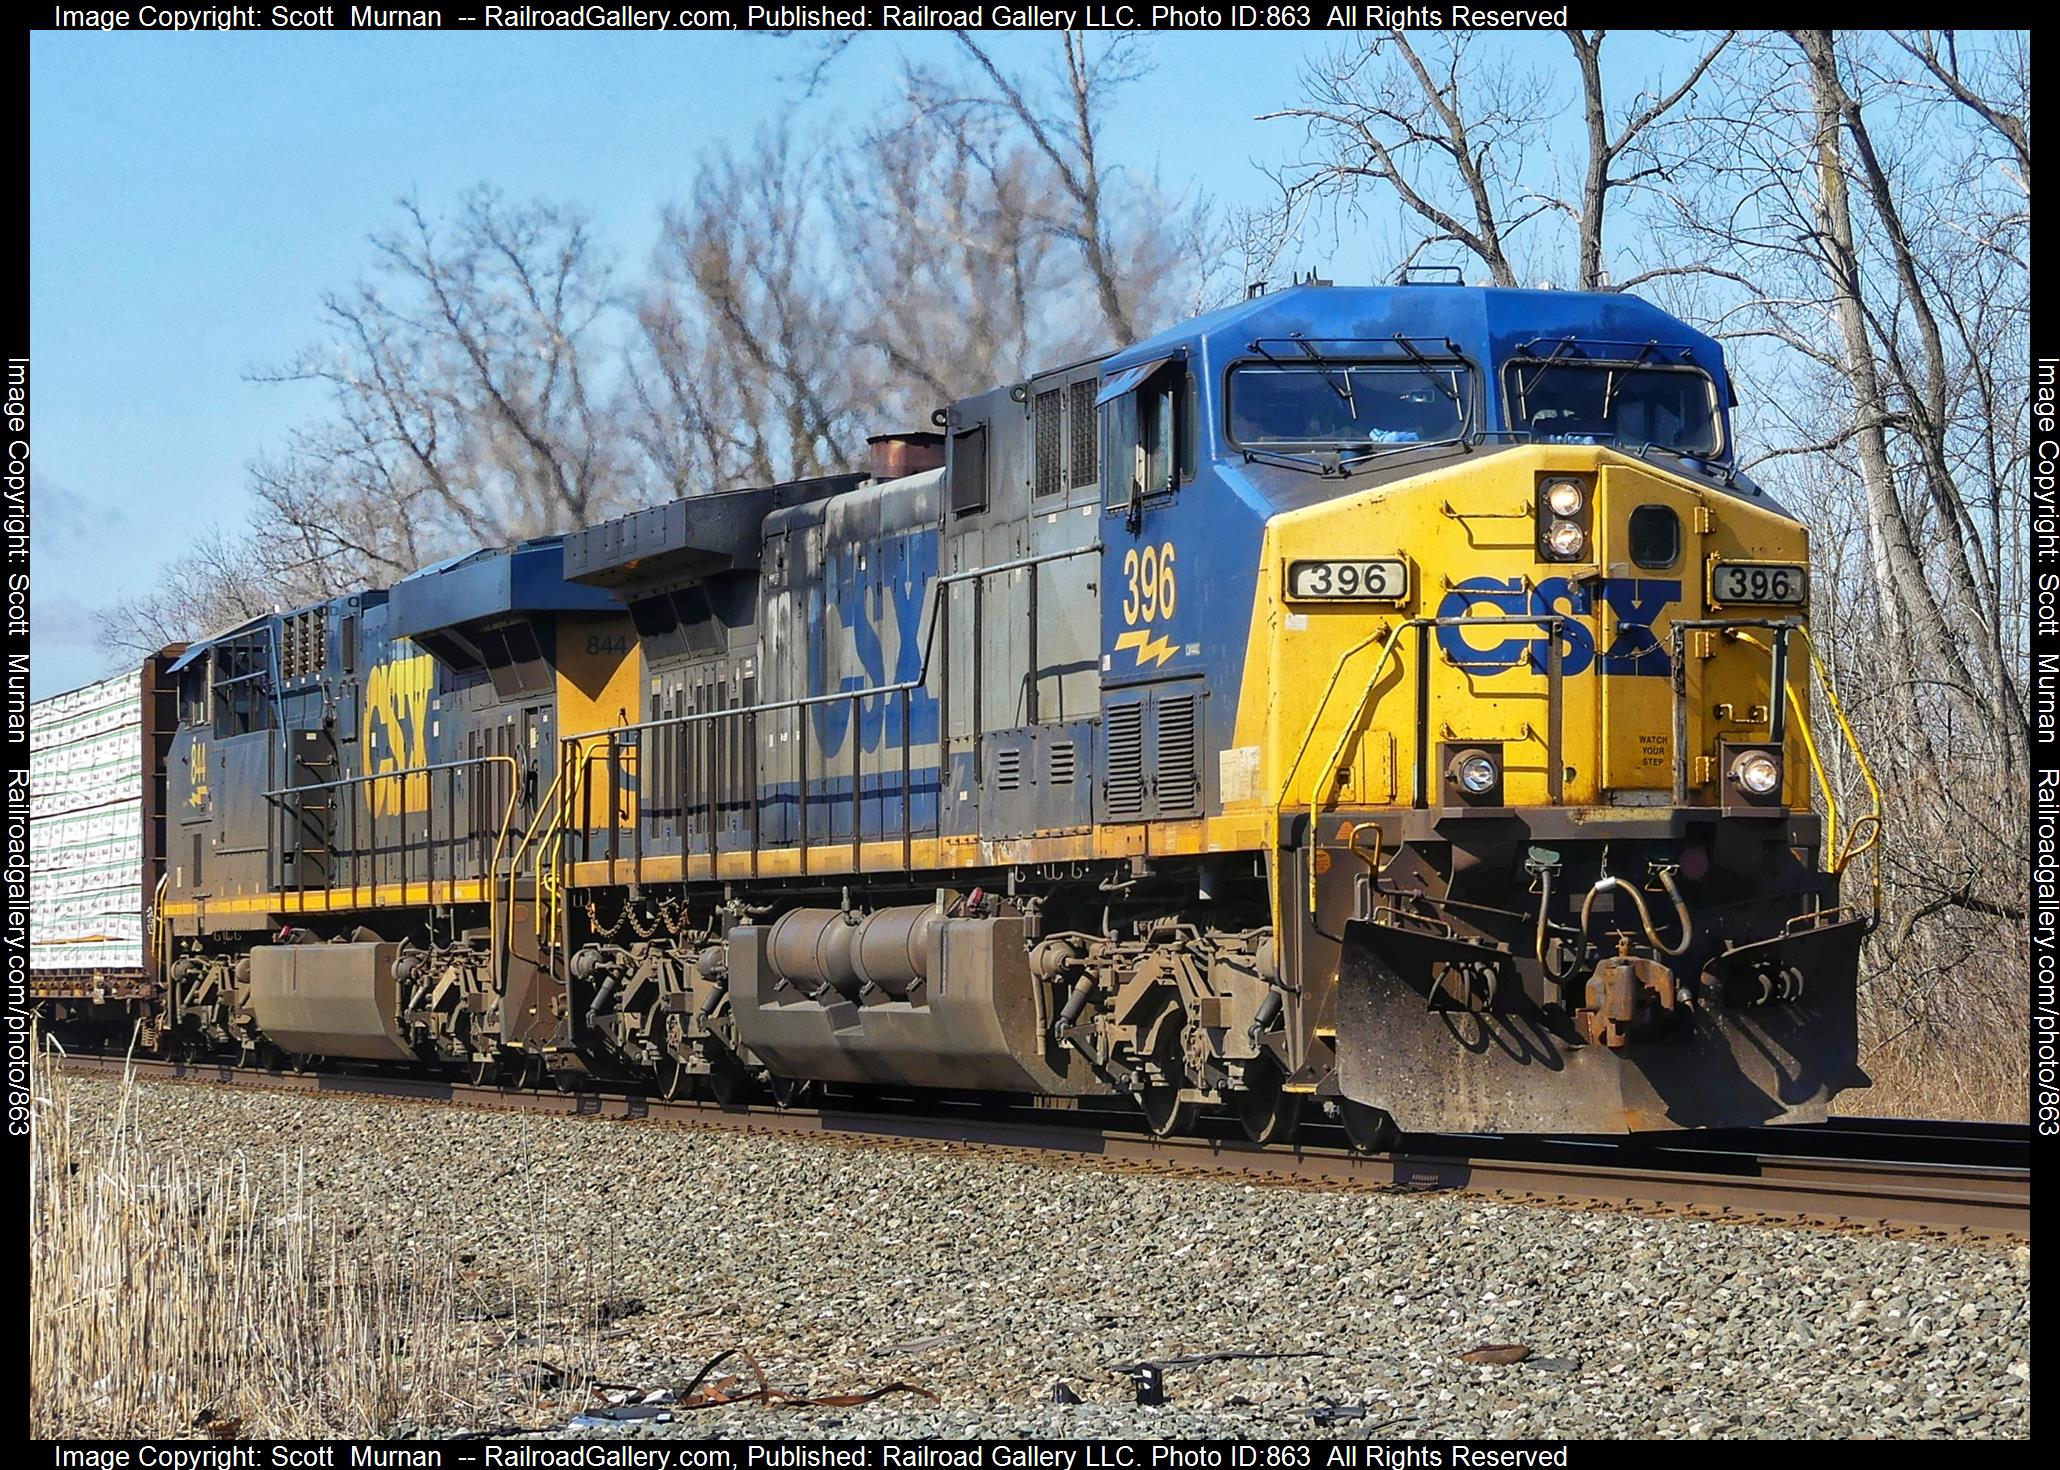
{"points": [[396, 731], [1636, 603], [866, 609]]}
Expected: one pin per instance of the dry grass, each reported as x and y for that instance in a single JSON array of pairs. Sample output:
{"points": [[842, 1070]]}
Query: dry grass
{"points": [[168, 1296], [1958, 1050]]}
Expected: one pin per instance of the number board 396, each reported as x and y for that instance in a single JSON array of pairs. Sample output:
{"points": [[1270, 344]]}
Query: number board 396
{"points": [[1758, 582], [1384, 579]]}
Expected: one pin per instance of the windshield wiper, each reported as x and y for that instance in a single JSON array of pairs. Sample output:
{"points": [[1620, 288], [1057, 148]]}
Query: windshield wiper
{"points": [[1338, 460], [1287, 459], [1343, 385], [1525, 389], [1424, 364], [1340, 385]]}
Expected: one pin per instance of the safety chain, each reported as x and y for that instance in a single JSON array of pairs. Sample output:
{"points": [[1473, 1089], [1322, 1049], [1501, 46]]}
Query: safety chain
{"points": [[606, 931], [672, 919]]}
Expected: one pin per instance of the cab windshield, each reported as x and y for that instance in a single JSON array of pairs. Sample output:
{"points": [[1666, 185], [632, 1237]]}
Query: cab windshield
{"points": [[1586, 402], [1342, 405]]}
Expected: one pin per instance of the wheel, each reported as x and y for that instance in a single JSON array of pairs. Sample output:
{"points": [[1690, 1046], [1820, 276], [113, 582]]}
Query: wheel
{"points": [[674, 1080], [1367, 1130], [787, 1091], [1269, 1113], [728, 1083], [1165, 1114]]}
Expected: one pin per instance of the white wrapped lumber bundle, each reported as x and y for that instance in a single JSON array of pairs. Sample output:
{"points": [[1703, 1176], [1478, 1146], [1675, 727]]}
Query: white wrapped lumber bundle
{"points": [[86, 894]]}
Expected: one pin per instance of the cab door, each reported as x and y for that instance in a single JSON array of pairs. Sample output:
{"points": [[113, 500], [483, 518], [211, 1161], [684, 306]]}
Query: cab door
{"points": [[1644, 529]]}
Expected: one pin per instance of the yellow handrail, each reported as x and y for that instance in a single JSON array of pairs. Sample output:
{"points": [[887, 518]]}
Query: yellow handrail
{"points": [[1366, 699], [1871, 823], [160, 927], [552, 846], [515, 860], [571, 801], [1840, 852], [500, 841], [1316, 719]]}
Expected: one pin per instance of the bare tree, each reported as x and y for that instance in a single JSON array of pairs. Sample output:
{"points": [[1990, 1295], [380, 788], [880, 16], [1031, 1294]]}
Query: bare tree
{"points": [[1458, 136], [2000, 96], [1446, 135], [959, 287], [1130, 240], [1608, 146], [215, 584], [746, 372], [805, 297], [461, 382], [1870, 227]]}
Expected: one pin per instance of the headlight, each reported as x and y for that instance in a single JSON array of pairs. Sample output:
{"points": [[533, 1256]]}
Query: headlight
{"points": [[1564, 497], [1476, 775], [1757, 773], [1565, 540]]}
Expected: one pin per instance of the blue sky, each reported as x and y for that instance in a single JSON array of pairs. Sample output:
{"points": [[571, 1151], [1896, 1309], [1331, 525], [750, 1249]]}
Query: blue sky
{"points": [[192, 196]]}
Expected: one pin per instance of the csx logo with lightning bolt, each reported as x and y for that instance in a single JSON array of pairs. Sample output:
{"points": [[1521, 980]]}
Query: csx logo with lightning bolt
{"points": [[1149, 649], [1151, 596]]}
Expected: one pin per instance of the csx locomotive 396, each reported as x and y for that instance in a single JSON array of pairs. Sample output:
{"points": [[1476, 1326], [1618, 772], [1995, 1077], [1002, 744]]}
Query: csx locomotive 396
{"points": [[1391, 698]]}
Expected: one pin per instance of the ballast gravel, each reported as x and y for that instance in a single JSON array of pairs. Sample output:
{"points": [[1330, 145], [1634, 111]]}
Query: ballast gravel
{"points": [[606, 1262]]}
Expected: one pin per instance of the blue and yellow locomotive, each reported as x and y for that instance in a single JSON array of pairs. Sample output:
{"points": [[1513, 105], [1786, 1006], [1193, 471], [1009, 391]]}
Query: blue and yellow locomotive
{"points": [[1389, 696]]}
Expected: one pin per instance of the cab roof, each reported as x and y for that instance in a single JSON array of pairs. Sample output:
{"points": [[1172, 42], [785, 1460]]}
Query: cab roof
{"points": [[1490, 325]]}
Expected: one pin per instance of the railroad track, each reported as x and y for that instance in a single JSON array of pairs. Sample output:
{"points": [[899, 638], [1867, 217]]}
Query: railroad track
{"points": [[1931, 1176]]}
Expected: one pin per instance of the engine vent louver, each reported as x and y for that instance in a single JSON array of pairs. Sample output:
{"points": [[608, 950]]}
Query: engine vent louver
{"points": [[1063, 759], [1179, 771], [1124, 737], [1008, 770]]}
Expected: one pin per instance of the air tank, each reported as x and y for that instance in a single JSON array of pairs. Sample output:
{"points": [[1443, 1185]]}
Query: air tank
{"points": [[830, 948]]}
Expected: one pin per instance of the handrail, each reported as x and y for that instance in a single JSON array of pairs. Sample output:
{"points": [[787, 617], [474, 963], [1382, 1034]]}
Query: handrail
{"points": [[574, 741], [1330, 688], [1847, 852], [281, 795], [543, 806], [1366, 698], [801, 701], [570, 800], [160, 923], [1839, 853], [1369, 697]]}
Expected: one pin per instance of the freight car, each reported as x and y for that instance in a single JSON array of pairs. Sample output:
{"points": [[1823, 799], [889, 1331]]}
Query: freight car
{"points": [[1394, 697]]}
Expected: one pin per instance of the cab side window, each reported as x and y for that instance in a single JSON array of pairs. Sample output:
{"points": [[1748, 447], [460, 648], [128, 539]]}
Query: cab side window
{"points": [[193, 706], [1148, 438]]}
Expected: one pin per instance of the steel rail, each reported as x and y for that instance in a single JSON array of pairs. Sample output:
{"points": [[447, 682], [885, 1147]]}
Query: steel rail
{"points": [[1756, 1183]]}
